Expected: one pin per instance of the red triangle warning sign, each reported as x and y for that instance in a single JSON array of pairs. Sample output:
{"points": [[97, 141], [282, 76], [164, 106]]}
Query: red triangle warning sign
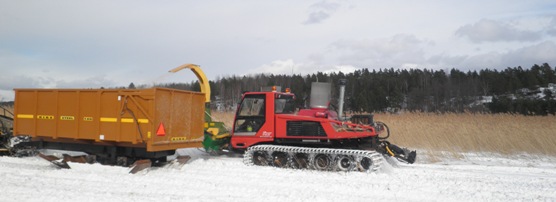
{"points": [[160, 131]]}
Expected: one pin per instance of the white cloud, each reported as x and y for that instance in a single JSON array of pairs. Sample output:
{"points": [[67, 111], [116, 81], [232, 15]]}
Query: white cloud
{"points": [[551, 28], [8, 83], [380, 53], [346, 69], [491, 30], [6, 95], [321, 11], [21, 81], [446, 61], [288, 67], [544, 52], [65, 43]]}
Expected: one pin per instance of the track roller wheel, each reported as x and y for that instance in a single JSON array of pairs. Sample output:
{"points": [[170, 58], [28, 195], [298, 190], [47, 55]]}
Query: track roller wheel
{"points": [[261, 158], [322, 162], [345, 163], [300, 161], [280, 159], [365, 164]]}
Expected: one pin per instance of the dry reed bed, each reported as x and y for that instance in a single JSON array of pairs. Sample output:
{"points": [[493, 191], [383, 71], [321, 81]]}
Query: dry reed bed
{"points": [[457, 133]]}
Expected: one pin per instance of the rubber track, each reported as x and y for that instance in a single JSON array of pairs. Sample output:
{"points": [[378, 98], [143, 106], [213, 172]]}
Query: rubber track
{"points": [[375, 157]]}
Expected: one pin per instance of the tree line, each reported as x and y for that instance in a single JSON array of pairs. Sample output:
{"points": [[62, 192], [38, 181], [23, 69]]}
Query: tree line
{"points": [[391, 90]]}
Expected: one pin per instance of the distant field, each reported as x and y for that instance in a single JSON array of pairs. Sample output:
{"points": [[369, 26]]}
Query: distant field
{"points": [[457, 133]]}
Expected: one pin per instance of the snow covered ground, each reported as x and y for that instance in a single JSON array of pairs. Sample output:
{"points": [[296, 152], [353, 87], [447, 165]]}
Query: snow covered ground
{"points": [[206, 178]]}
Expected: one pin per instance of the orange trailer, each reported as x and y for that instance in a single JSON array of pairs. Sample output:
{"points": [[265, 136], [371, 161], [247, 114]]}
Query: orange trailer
{"points": [[136, 123]]}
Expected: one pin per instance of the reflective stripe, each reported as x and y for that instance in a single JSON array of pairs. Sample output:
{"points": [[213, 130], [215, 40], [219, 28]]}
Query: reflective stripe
{"points": [[130, 120], [105, 119], [245, 133], [126, 120], [25, 116]]}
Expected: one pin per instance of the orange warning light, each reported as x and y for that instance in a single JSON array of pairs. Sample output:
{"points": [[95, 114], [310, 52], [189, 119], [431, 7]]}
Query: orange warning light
{"points": [[160, 131]]}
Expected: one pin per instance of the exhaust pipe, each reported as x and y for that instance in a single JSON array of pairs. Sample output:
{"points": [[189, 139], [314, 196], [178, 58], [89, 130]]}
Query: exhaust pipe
{"points": [[342, 84]]}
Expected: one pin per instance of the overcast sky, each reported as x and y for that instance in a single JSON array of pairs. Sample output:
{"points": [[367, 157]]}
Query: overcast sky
{"points": [[90, 44]]}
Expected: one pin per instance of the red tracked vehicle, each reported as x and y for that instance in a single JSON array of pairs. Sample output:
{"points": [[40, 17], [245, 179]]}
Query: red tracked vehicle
{"points": [[274, 134]]}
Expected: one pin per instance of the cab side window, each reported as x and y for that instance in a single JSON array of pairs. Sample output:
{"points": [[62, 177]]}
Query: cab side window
{"points": [[251, 114]]}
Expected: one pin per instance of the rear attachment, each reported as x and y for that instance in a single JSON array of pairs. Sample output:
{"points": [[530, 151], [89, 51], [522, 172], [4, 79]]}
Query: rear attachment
{"points": [[322, 159], [402, 154], [389, 149]]}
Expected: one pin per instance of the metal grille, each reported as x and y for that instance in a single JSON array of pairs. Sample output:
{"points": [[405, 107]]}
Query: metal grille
{"points": [[305, 128]]}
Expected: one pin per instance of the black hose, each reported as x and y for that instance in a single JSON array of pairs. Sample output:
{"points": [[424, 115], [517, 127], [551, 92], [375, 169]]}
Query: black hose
{"points": [[134, 118], [387, 130]]}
